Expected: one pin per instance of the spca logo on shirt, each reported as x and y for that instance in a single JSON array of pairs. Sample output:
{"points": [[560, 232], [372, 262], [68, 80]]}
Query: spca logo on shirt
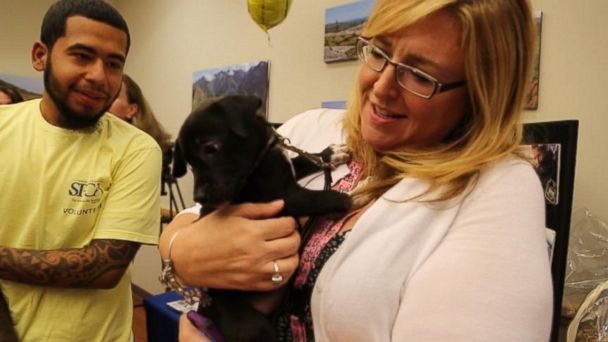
{"points": [[85, 191]]}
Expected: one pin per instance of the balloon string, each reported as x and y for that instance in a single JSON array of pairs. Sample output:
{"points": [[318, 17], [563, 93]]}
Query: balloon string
{"points": [[268, 37]]}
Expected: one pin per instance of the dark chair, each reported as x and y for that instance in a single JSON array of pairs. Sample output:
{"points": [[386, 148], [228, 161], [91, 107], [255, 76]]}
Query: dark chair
{"points": [[561, 138]]}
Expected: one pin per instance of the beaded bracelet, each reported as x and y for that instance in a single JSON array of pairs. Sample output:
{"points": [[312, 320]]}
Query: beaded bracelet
{"points": [[191, 295]]}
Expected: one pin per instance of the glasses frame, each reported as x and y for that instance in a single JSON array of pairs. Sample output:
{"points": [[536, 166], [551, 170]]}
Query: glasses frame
{"points": [[438, 87]]}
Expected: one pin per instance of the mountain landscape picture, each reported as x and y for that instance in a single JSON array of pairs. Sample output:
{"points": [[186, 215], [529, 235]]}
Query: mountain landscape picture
{"points": [[243, 79], [343, 24], [532, 96]]}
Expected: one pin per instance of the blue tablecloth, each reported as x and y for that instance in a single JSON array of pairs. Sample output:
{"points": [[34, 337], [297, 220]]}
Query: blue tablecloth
{"points": [[162, 320]]}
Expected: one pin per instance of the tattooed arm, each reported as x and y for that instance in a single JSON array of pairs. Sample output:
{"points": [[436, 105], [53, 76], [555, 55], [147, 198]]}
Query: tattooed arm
{"points": [[101, 264]]}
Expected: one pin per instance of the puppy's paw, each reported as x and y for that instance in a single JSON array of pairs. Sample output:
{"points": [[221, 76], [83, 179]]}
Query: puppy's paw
{"points": [[336, 155]]}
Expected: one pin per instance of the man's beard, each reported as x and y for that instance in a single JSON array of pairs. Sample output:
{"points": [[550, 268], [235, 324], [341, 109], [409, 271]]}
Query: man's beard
{"points": [[68, 118]]}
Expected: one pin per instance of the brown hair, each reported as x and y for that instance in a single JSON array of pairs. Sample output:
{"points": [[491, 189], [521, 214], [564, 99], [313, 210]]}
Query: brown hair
{"points": [[144, 119], [12, 92]]}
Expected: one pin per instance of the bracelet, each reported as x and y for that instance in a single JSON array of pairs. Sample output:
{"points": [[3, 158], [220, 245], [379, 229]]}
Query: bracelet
{"points": [[167, 277]]}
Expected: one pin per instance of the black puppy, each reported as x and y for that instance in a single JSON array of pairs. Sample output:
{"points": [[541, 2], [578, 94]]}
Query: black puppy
{"points": [[235, 158]]}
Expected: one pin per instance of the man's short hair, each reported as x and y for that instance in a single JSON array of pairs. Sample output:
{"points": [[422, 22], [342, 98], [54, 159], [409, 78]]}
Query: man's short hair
{"points": [[53, 24]]}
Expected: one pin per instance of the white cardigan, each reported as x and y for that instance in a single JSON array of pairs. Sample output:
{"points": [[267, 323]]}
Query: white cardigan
{"points": [[476, 269]]}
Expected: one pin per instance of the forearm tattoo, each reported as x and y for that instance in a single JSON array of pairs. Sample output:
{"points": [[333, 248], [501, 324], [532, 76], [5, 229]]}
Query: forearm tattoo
{"points": [[78, 267]]}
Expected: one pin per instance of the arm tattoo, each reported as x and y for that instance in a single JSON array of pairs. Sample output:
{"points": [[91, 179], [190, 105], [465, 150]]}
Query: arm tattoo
{"points": [[75, 267]]}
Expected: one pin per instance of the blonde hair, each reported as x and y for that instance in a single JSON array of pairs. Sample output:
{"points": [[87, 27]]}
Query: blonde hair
{"points": [[144, 119], [498, 38]]}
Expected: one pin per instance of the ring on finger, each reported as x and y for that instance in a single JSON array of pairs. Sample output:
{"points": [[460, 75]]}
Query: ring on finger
{"points": [[277, 277]]}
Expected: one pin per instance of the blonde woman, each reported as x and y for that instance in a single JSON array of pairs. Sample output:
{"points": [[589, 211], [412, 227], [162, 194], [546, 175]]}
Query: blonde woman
{"points": [[447, 243]]}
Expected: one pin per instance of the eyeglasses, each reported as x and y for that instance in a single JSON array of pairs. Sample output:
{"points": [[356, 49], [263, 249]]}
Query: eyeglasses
{"points": [[409, 78]]}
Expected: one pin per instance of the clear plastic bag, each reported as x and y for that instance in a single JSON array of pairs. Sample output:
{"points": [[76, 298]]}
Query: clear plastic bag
{"points": [[591, 321], [587, 265]]}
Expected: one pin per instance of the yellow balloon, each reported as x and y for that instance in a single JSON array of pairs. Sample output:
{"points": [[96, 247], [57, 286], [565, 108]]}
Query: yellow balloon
{"points": [[268, 13]]}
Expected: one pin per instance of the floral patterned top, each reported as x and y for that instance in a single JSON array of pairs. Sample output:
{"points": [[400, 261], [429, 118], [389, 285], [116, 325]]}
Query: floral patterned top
{"points": [[295, 322]]}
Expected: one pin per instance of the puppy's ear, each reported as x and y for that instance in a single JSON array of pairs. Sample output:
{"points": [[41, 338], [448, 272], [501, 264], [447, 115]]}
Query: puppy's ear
{"points": [[179, 163], [241, 111]]}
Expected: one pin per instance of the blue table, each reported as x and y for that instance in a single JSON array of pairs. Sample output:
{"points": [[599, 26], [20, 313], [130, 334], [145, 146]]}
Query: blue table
{"points": [[161, 320]]}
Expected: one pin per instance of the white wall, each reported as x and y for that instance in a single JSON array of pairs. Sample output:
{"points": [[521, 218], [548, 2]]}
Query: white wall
{"points": [[171, 39], [19, 28]]}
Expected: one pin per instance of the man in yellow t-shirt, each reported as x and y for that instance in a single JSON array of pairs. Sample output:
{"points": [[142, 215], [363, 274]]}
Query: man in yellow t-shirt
{"points": [[80, 189]]}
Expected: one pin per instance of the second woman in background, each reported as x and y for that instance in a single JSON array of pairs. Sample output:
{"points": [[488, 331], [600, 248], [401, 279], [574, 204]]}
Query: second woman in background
{"points": [[9, 94], [131, 106]]}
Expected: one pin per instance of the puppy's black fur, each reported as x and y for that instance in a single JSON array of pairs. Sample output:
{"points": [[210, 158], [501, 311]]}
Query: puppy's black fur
{"points": [[231, 152]]}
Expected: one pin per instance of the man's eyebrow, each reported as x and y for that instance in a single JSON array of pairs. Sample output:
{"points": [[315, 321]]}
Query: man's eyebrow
{"points": [[81, 47], [91, 50]]}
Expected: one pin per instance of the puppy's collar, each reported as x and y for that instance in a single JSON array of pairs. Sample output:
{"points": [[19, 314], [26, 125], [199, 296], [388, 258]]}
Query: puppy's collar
{"points": [[326, 166], [286, 144], [270, 143]]}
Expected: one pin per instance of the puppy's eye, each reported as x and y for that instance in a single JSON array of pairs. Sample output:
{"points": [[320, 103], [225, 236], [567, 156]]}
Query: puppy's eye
{"points": [[211, 147]]}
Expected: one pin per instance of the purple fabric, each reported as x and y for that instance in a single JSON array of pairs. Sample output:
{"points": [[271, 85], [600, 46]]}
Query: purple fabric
{"points": [[206, 326]]}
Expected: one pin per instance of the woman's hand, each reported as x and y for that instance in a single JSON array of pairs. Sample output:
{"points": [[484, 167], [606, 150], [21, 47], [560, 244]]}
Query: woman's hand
{"points": [[234, 247]]}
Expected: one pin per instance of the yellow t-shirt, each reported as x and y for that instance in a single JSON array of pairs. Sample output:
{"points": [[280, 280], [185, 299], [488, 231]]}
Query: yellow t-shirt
{"points": [[61, 189]]}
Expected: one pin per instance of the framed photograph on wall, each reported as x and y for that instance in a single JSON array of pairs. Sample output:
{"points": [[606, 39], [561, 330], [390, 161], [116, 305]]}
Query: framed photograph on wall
{"points": [[532, 97], [244, 79], [546, 161], [343, 24]]}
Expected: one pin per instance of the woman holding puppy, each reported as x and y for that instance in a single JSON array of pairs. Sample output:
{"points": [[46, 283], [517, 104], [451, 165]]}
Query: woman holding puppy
{"points": [[447, 240]]}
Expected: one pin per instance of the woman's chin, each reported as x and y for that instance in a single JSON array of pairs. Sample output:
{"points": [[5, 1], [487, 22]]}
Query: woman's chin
{"points": [[379, 145]]}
